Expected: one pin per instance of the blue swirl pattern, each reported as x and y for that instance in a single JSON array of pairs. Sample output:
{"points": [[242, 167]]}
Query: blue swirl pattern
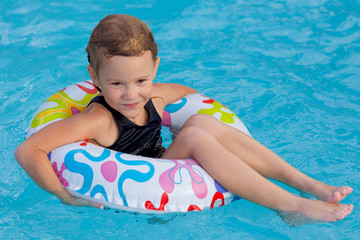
{"points": [[133, 174], [176, 106], [99, 189], [82, 168]]}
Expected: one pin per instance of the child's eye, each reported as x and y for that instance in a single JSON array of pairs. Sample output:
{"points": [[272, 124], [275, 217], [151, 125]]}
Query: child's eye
{"points": [[141, 81], [116, 83]]}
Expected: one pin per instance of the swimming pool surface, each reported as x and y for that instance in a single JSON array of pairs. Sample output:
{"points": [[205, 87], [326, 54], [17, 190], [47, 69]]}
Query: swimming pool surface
{"points": [[290, 69]]}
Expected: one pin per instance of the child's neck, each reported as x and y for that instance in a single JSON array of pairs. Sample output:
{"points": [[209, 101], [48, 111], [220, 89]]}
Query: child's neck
{"points": [[141, 119]]}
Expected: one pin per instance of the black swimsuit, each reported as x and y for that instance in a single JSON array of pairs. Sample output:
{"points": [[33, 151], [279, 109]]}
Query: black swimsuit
{"points": [[138, 140]]}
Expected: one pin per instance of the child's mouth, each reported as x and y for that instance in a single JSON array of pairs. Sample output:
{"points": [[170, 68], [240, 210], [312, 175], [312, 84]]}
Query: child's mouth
{"points": [[131, 105]]}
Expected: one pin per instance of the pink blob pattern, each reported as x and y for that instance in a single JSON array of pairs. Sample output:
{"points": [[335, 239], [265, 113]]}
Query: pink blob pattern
{"points": [[167, 178], [109, 171], [60, 173], [74, 110], [166, 120]]}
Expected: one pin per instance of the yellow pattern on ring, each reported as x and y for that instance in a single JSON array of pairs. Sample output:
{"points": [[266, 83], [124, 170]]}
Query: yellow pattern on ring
{"points": [[64, 108]]}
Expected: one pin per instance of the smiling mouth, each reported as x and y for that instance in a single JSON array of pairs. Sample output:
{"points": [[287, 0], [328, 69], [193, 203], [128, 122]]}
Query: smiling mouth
{"points": [[131, 105]]}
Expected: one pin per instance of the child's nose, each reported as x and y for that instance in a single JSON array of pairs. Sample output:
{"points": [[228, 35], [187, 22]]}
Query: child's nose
{"points": [[131, 92]]}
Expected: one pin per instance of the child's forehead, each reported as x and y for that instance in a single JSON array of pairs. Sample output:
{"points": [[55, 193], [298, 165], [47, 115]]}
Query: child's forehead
{"points": [[126, 65]]}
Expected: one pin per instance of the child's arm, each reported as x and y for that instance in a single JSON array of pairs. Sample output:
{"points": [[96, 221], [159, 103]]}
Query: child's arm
{"points": [[32, 153], [170, 92]]}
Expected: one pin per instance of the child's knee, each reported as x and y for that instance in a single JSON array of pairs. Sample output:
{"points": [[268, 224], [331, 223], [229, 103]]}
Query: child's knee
{"points": [[200, 120], [191, 135]]}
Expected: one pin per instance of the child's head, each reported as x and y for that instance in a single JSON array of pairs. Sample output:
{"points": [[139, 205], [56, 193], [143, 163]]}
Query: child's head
{"points": [[121, 35]]}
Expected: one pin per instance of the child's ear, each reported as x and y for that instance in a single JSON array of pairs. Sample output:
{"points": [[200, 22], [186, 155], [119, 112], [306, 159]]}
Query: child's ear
{"points": [[93, 76], [156, 66]]}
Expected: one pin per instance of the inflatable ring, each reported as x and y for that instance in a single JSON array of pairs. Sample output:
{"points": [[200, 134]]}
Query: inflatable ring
{"points": [[129, 182]]}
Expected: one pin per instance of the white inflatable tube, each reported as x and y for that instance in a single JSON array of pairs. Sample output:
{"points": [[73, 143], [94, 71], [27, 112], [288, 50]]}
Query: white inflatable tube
{"points": [[129, 182]]}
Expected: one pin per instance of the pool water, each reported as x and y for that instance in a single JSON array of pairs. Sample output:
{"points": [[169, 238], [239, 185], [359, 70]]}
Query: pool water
{"points": [[290, 69]]}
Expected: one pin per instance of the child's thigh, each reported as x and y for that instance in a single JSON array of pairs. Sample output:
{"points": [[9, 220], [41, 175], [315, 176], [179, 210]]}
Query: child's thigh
{"points": [[187, 140]]}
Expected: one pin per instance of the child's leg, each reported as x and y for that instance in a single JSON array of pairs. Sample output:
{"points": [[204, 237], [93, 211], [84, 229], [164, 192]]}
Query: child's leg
{"points": [[264, 161], [241, 179]]}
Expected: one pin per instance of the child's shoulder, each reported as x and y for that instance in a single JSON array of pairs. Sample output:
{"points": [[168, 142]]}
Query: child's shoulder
{"points": [[98, 113], [171, 92], [100, 124]]}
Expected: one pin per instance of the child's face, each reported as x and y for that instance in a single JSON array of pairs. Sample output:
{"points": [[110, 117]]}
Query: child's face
{"points": [[126, 82]]}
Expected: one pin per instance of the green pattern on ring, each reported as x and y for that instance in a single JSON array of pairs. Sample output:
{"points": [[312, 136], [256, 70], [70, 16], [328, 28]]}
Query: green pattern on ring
{"points": [[225, 116], [62, 110]]}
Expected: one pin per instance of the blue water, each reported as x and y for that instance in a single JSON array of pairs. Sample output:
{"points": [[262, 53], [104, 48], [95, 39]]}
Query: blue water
{"points": [[289, 68]]}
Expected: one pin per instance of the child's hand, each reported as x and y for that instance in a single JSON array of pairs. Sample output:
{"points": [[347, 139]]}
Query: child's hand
{"points": [[79, 202], [66, 198]]}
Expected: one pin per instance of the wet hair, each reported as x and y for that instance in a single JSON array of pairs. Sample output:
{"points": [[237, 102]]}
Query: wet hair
{"points": [[119, 35]]}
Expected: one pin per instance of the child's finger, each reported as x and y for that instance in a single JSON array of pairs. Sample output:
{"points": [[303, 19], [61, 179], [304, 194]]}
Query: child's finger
{"points": [[79, 202], [85, 203]]}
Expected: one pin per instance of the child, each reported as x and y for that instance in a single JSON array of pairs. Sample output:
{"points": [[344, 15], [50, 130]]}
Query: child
{"points": [[126, 116]]}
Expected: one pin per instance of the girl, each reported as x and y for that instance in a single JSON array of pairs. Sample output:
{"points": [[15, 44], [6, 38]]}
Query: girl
{"points": [[126, 117]]}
